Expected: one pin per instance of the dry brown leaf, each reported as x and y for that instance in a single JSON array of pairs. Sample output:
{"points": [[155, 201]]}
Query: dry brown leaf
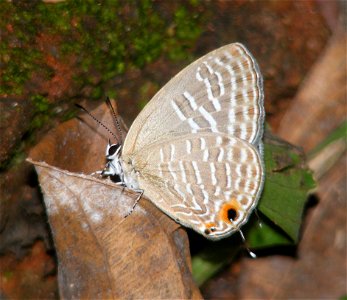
{"points": [[100, 253]]}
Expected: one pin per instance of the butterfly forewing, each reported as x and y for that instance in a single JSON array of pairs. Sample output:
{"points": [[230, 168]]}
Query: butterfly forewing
{"points": [[208, 182], [221, 92]]}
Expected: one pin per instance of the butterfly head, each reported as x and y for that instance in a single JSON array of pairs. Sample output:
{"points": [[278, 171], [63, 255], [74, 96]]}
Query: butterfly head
{"points": [[113, 166], [112, 150]]}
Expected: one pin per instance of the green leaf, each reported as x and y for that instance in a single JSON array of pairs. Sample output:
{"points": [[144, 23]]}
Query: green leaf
{"points": [[266, 235], [287, 183], [214, 258]]}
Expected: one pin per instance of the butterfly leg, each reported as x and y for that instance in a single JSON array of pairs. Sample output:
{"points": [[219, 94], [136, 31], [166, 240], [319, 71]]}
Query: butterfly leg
{"points": [[136, 201], [122, 184], [96, 173]]}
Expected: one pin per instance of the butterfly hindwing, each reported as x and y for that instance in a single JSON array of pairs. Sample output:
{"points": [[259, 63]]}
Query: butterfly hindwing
{"points": [[209, 182]]}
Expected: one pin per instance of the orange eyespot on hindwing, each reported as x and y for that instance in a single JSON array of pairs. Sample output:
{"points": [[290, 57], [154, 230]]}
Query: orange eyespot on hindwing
{"points": [[230, 211]]}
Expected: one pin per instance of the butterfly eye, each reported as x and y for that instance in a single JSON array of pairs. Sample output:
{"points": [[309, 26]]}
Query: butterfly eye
{"points": [[113, 149]]}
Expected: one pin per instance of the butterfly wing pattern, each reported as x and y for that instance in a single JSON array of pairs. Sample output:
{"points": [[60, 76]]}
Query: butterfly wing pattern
{"points": [[196, 148]]}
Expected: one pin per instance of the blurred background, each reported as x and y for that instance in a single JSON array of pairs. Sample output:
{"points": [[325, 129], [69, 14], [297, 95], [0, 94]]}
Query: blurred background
{"points": [[56, 53]]}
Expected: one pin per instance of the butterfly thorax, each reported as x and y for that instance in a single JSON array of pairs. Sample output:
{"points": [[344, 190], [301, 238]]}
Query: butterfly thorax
{"points": [[120, 166], [130, 176]]}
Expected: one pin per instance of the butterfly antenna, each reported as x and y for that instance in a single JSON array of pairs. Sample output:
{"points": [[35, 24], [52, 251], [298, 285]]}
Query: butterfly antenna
{"points": [[251, 254], [109, 104], [96, 120]]}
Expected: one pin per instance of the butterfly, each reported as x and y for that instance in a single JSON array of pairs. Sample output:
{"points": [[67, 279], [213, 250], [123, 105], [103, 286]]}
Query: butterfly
{"points": [[196, 149]]}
